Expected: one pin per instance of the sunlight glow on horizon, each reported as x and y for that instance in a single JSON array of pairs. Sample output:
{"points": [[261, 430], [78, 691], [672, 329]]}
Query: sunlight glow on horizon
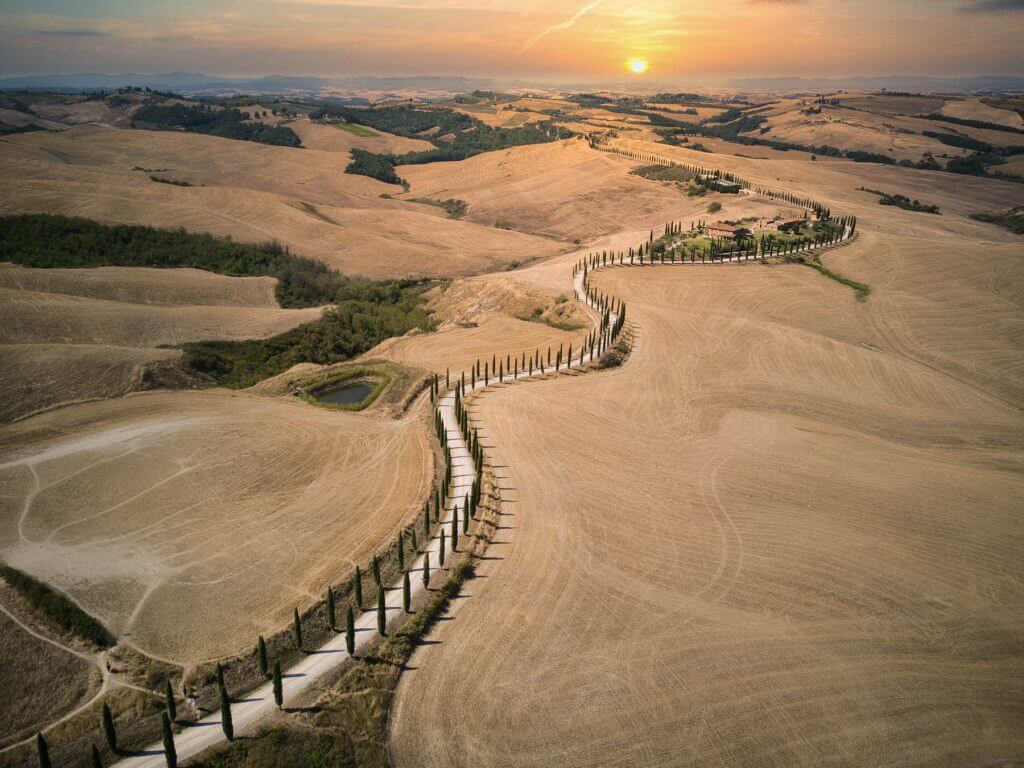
{"points": [[638, 66]]}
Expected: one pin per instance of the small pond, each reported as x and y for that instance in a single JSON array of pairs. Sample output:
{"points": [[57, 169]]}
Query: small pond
{"points": [[346, 394]]}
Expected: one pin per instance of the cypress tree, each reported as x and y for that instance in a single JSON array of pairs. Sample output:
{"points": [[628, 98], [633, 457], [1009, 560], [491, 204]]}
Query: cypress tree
{"points": [[297, 629], [440, 551], [426, 569], [406, 592], [330, 608], [415, 545], [382, 618], [172, 711], [42, 752], [170, 755], [350, 632], [225, 715], [357, 588], [465, 517], [401, 552], [455, 528], [278, 684], [261, 654], [426, 526], [376, 568], [109, 731], [97, 761]]}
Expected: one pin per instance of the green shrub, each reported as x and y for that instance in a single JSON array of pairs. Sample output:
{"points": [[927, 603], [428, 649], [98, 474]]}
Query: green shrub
{"points": [[380, 167], [348, 329]]}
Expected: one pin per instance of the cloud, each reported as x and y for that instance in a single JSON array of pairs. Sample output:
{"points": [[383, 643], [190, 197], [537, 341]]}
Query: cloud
{"points": [[68, 32], [993, 6], [561, 25], [776, 2]]}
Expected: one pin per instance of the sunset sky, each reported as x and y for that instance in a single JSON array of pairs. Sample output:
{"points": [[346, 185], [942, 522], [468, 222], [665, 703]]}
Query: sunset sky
{"points": [[532, 39]]}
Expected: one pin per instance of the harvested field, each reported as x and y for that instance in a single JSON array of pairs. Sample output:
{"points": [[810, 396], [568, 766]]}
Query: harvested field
{"points": [[563, 189], [335, 138], [54, 313], [973, 109], [717, 592], [897, 105], [252, 192], [191, 522], [74, 334]]}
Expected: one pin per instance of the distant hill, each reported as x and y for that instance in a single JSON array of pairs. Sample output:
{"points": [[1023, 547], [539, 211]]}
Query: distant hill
{"points": [[193, 83], [890, 82]]}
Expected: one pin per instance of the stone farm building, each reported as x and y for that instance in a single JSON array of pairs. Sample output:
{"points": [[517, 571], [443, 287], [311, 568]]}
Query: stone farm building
{"points": [[727, 231], [722, 185], [787, 225]]}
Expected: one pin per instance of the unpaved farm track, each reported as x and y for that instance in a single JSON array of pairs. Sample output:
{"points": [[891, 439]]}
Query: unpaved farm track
{"points": [[302, 676]]}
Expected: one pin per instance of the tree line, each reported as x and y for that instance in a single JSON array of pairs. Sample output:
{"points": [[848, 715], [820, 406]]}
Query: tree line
{"points": [[226, 123], [455, 136], [364, 311]]}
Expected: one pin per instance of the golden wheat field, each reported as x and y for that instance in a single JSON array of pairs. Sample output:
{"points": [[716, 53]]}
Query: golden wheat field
{"points": [[190, 522], [80, 334], [785, 532], [301, 198]]}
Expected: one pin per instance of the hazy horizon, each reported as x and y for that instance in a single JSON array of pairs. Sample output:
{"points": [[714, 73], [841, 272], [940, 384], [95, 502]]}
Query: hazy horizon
{"points": [[584, 41]]}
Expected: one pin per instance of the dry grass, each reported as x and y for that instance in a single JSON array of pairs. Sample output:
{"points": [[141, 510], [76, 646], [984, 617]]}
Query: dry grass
{"points": [[77, 334], [191, 522], [786, 532], [254, 193], [562, 189], [40, 680], [973, 109]]}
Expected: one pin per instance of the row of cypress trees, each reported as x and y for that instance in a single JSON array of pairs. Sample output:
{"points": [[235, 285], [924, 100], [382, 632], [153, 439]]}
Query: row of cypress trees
{"points": [[593, 344]]}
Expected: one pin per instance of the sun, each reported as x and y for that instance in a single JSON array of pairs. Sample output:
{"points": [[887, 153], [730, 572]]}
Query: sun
{"points": [[639, 66]]}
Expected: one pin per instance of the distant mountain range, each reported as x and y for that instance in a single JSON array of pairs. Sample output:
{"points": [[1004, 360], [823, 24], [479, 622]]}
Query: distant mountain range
{"points": [[890, 83], [193, 83]]}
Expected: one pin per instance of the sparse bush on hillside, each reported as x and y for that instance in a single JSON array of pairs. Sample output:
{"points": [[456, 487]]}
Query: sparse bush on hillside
{"points": [[175, 182], [714, 207], [1012, 219], [902, 201]]}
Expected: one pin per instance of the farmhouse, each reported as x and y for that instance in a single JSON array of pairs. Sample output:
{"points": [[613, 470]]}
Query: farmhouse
{"points": [[727, 231], [722, 185], [787, 225]]}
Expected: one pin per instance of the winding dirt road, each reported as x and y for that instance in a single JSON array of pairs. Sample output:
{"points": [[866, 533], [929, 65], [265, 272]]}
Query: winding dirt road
{"points": [[297, 680]]}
